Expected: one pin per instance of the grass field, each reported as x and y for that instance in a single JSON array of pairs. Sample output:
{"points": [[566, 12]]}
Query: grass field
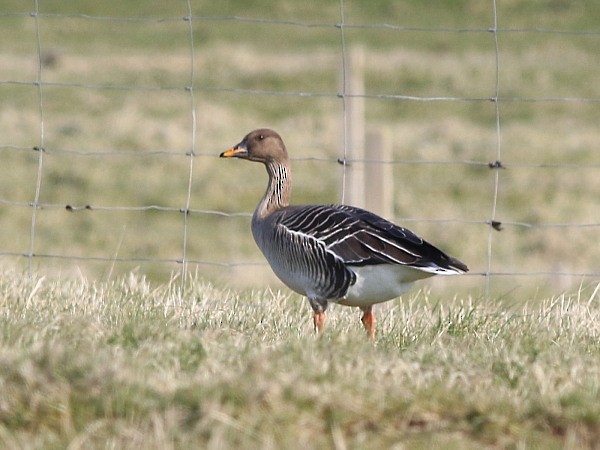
{"points": [[131, 364], [101, 346]]}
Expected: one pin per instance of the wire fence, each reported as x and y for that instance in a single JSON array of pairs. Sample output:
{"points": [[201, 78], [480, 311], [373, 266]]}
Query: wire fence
{"points": [[481, 228]]}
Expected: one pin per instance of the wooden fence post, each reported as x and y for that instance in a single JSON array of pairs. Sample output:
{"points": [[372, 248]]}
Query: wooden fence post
{"points": [[355, 128], [368, 181], [379, 181]]}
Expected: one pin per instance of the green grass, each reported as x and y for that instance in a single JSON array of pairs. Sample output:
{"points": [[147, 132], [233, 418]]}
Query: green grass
{"points": [[102, 353], [133, 364]]}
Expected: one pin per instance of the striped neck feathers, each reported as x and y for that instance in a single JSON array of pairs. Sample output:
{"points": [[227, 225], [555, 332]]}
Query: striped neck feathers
{"points": [[279, 189]]}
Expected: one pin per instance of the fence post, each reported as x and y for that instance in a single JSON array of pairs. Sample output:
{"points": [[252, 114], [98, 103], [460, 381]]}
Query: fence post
{"points": [[379, 181], [355, 127]]}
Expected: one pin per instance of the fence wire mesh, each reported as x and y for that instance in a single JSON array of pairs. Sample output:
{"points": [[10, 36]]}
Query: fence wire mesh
{"points": [[113, 118]]}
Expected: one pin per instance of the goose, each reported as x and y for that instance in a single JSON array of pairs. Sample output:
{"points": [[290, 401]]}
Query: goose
{"points": [[333, 253]]}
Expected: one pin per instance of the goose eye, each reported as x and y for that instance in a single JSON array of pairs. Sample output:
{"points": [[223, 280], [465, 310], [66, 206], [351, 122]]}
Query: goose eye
{"points": [[261, 137]]}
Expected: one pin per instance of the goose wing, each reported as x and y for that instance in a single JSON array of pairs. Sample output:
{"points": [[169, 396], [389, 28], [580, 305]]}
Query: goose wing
{"points": [[359, 238]]}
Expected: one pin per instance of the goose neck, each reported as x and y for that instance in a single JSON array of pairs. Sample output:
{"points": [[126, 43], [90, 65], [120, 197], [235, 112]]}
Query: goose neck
{"points": [[278, 191]]}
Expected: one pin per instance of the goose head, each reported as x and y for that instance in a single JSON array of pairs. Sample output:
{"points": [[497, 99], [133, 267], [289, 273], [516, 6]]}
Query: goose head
{"points": [[262, 145]]}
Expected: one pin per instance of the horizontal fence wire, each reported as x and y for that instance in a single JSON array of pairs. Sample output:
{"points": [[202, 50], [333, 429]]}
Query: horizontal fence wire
{"points": [[336, 94], [248, 214], [193, 86], [142, 153], [293, 23]]}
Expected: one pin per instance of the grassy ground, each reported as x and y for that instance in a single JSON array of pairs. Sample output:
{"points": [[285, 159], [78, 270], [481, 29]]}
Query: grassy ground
{"points": [[105, 359], [130, 364]]}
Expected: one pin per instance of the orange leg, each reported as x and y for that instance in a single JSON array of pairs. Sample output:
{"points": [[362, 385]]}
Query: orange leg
{"points": [[319, 320], [368, 321], [318, 307]]}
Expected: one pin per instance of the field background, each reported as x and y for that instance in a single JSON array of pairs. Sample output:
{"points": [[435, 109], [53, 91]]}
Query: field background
{"points": [[117, 129], [103, 345]]}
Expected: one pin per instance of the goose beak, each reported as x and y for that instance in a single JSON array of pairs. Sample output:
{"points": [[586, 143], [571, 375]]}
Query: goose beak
{"points": [[239, 151]]}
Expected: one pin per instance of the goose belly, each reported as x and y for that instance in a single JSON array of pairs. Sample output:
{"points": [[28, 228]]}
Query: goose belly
{"points": [[380, 283]]}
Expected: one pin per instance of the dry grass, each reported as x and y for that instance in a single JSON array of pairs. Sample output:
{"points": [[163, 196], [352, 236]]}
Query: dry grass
{"points": [[94, 355], [129, 364]]}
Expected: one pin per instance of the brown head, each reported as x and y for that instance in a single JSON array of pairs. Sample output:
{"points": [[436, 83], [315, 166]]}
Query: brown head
{"points": [[262, 145], [266, 146]]}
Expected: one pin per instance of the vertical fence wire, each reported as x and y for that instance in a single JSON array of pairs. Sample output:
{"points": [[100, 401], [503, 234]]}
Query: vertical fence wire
{"points": [[40, 148], [343, 98], [497, 166], [191, 152]]}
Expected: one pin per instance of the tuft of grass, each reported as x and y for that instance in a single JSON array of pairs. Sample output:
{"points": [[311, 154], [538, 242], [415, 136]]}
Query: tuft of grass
{"points": [[133, 364]]}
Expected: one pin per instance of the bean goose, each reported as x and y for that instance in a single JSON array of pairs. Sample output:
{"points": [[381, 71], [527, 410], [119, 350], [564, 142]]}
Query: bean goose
{"points": [[333, 253]]}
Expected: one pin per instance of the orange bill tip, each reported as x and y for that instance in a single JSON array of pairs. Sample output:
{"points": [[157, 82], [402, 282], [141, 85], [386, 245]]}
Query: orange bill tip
{"points": [[233, 152]]}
